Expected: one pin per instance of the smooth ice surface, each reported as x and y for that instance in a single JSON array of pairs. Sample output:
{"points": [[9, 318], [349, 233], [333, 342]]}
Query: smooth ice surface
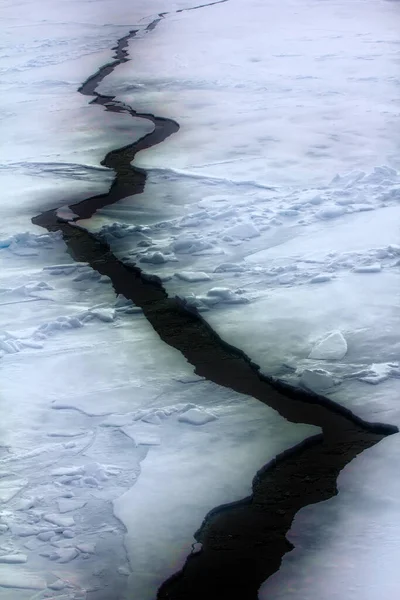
{"points": [[294, 92], [53, 141]]}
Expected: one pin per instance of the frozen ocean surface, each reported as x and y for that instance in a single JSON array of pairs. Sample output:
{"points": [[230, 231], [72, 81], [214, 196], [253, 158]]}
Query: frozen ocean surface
{"points": [[94, 403], [289, 255], [274, 210], [90, 397]]}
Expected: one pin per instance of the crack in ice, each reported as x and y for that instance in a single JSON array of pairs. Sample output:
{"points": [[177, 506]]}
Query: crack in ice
{"points": [[289, 481]]}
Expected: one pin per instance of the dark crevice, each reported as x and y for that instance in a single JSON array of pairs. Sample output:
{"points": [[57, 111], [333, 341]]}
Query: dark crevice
{"points": [[201, 6], [242, 543]]}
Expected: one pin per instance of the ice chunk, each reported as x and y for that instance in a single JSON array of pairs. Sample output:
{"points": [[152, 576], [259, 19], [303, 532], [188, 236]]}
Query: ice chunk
{"points": [[57, 585], [66, 433], [321, 278], [242, 231], [379, 372], [122, 301], [331, 212], [9, 489], [394, 248], [68, 533], [117, 420], [67, 505], [13, 577], [65, 555], [23, 530], [190, 244], [143, 434], [223, 294], [26, 503], [229, 268], [59, 520], [156, 258], [107, 315], [192, 276], [13, 559], [68, 471], [31, 344], [64, 213], [87, 274], [333, 347], [196, 416], [9, 346], [374, 268], [45, 536], [317, 379], [87, 548]]}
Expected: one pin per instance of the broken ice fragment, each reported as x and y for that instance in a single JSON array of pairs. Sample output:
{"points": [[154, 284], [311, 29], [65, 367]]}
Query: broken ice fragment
{"points": [[13, 577], [375, 268], [196, 416], [13, 559], [59, 520], [66, 505], [333, 347], [317, 379], [65, 555], [87, 548]]}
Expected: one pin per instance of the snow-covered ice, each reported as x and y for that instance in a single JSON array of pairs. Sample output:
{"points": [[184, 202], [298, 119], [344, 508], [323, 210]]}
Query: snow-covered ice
{"points": [[69, 449], [274, 210]]}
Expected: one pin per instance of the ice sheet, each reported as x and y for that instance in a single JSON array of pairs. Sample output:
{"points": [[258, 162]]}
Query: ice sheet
{"points": [[269, 96]]}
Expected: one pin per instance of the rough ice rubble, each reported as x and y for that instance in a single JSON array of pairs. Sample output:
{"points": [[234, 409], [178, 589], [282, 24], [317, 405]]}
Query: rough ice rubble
{"points": [[28, 243], [287, 255], [39, 285]]}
